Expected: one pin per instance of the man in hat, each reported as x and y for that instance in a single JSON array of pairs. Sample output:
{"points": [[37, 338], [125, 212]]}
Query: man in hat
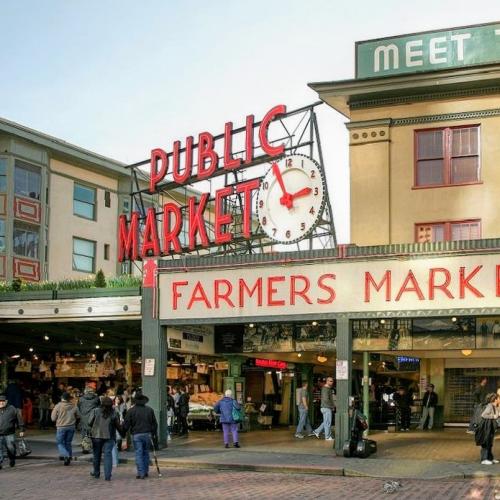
{"points": [[141, 422], [10, 417]]}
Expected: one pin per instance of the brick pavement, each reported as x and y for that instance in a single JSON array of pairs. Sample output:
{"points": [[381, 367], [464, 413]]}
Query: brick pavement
{"points": [[38, 480]]}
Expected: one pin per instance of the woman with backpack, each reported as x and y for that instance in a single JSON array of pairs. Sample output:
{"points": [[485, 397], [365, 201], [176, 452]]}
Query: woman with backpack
{"points": [[485, 432], [230, 417], [104, 422]]}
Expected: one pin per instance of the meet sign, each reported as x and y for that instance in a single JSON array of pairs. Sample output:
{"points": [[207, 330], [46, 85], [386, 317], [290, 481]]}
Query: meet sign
{"points": [[428, 51]]}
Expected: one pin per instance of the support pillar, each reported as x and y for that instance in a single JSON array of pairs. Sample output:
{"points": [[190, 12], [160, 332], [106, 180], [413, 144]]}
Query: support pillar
{"points": [[4, 373], [234, 380], [154, 346], [128, 366], [344, 353], [307, 371], [366, 388]]}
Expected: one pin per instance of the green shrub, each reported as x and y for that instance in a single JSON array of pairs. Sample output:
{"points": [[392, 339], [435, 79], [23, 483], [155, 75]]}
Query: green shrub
{"points": [[16, 285], [100, 280]]}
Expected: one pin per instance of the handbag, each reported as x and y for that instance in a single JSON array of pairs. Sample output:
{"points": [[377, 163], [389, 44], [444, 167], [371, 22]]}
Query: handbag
{"points": [[23, 448], [236, 414]]}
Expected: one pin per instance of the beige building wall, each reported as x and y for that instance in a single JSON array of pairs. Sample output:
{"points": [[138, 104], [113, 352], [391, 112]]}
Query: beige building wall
{"points": [[64, 225], [385, 205]]}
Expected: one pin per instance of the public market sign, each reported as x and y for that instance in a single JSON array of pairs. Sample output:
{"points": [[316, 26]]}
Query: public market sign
{"points": [[428, 51], [331, 287]]}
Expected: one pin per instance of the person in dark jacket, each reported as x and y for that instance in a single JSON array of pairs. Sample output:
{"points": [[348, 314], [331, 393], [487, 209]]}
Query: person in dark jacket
{"points": [[141, 422], [485, 433], [104, 423], [10, 418], [183, 411], [403, 403], [225, 408], [14, 395], [429, 403], [86, 406]]}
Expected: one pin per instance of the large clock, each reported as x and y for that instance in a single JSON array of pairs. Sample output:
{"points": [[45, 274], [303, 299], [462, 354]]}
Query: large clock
{"points": [[291, 198]]}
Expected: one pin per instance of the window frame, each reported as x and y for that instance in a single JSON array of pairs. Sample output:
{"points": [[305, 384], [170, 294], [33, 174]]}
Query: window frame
{"points": [[5, 175], [34, 169], [94, 211], [447, 228], [447, 156], [27, 228], [2, 236], [94, 243]]}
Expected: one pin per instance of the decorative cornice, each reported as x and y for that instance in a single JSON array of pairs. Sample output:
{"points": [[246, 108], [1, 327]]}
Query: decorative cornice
{"points": [[385, 122], [430, 96], [464, 115]]}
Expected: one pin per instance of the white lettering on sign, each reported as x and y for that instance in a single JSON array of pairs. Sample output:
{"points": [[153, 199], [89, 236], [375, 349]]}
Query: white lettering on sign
{"points": [[384, 53], [412, 54], [332, 287]]}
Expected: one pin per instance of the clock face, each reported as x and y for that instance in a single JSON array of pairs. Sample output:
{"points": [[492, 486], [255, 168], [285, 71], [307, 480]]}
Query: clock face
{"points": [[291, 198]]}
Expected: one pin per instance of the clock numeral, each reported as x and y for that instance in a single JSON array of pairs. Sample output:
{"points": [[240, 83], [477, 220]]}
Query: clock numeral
{"points": [[265, 185], [316, 191], [313, 174], [274, 231], [261, 203], [288, 234], [264, 221], [302, 226], [289, 162], [311, 211]]}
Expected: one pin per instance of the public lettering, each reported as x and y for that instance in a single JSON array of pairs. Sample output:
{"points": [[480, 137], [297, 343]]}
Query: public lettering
{"points": [[369, 281], [410, 284], [464, 282]]}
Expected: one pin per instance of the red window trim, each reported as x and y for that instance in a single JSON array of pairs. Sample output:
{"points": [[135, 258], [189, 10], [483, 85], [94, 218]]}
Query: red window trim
{"points": [[446, 158], [447, 227]]}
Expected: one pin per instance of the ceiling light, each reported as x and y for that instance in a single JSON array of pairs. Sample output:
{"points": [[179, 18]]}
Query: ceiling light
{"points": [[370, 363], [45, 337], [31, 349], [466, 352], [382, 321], [251, 325], [101, 334], [97, 346], [35, 357], [299, 355], [314, 323], [15, 356], [454, 319], [321, 358]]}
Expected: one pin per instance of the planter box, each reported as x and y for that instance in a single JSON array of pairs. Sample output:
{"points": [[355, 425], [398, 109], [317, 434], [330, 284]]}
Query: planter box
{"points": [[27, 295], [97, 292]]}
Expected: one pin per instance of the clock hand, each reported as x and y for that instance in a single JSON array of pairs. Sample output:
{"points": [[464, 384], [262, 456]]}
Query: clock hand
{"points": [[286, 199], [302, 192]]}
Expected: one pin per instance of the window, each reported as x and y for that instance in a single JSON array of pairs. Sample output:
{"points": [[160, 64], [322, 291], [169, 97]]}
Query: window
{"points": [[107, 199], [106, 251], [27, 180], [2, 235], [447, 156], [26, 240], [3, 175], [83, 255], [448, 231], [84, 201]]}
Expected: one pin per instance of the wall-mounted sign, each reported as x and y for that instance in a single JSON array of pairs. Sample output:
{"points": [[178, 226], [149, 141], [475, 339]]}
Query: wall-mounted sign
{"points": [[271, 363], [149, 367], [228, 338], [428, 51], [185, 340], [342, 369]]}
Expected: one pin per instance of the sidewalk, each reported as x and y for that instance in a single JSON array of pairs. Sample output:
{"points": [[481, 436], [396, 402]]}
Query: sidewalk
{"points": [[276, 451]]}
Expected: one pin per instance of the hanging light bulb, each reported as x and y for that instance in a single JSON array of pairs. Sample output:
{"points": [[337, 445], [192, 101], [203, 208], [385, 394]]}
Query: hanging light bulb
{"points": [[321, 358], [45, 337], [101, 334], [299, 355]]}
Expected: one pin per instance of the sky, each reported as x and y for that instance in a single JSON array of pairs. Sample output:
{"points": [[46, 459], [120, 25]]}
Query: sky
{"points": [[121, 77]]}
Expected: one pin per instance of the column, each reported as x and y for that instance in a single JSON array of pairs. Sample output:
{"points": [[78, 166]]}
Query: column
{"points": [[306, 371], [234, 377], [366, 388], [128, 365], [154, 346], [344, 353], [3, 373]]}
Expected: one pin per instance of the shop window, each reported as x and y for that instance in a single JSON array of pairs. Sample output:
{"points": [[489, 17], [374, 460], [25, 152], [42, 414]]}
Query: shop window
{"points": [[448, 231], [84, 201], [3, 175], [27, 180], [2, 235], [83, 255], [26, 241], [447, 156]]}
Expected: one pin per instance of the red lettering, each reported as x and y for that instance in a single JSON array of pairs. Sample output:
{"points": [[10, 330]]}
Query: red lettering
{"points": [[243, 287], [498, 281], [171, 234], [443, 287], [206, 151], [464, 282], [197, 221], [229, 161], [199, 295], [249, 139], [150, 241], [386, 280], [223, 295], [182, 177], [263, 131], [271, 291], [300, 293], [326, 288], [128, 239], [410, 279], [222, 218], [175, 294], [157, 175], [246, 188]]}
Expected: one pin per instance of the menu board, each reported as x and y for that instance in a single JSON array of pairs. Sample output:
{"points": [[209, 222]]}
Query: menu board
{"points": [[229, 339]]}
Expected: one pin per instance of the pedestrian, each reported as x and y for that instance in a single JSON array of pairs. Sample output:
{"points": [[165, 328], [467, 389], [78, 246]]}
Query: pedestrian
{"points": [[104, 424], [44, 410], [10, 418], [170, 412], [302, 402], [225, 408], [176, 394], [65, 415], [478, 398], [141, 422], [429, 403], [485, 432], [121, 408], [27, 411], [86, 405], [327, 407], [183, 411], [403, 402]]}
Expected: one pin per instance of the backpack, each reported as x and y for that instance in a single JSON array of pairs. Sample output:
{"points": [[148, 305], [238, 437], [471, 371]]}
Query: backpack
{"points": [[236, 414], [476, 416]]}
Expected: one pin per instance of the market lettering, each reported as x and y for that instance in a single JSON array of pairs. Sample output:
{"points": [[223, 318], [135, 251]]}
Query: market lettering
{"points": [[263, 292]]}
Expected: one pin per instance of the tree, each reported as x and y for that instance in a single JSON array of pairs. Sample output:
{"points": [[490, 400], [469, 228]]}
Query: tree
{"points": [[100, 280]]}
